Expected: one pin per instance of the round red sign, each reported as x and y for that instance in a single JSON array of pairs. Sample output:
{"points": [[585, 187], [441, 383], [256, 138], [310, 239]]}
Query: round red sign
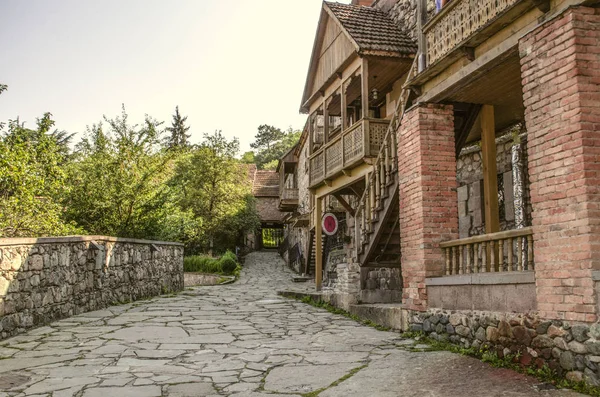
{"points": [[330, 224]]}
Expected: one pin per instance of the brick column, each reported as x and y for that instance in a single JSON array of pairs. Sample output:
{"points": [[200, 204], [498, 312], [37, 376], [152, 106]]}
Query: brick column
{"points": [[428, 200], [560, 69]]}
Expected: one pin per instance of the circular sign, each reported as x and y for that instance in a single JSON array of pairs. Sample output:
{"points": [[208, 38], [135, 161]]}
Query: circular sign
{"points": [[330, 224]]}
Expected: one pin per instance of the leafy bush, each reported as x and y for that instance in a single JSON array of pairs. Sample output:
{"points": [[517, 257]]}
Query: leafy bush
{"points": [[202, 264], [228, 265]]}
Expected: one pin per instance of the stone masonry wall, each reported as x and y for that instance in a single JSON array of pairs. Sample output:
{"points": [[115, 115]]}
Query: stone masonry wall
{"points": [[45, 279], [573, 350], [404, 13], [469, 175], [381, 285]]}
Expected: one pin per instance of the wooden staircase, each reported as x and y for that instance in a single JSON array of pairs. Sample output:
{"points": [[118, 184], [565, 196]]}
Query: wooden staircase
{"points": [[376, 230]]}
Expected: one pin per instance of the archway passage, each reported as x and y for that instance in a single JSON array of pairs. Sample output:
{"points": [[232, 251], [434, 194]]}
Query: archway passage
{"points": [[272, 237]]}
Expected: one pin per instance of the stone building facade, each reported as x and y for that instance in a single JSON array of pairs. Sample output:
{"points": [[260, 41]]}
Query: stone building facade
{"points": [[46, 279]]}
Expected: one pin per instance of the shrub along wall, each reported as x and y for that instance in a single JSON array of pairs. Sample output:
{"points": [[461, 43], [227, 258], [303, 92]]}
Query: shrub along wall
{"points": [[45, 279]]}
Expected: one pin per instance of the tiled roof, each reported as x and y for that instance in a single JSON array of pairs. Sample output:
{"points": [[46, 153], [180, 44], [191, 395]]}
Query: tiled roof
{"points": [[266, 184], [372, 29]]}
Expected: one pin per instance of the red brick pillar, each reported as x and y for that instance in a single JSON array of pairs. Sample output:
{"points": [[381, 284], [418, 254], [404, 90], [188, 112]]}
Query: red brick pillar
{"points": [[560, 69], [428, 199]]}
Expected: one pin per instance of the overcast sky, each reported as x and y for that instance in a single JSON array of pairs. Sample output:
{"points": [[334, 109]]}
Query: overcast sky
{"points": [[229, 64]]}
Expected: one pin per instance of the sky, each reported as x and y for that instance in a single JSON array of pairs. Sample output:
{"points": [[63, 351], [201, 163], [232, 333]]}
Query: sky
{"points": [[229, 65]]}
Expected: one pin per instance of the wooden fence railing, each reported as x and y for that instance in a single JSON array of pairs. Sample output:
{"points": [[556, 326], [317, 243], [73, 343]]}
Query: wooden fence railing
{"points": [[507, 251], [362, 139]]}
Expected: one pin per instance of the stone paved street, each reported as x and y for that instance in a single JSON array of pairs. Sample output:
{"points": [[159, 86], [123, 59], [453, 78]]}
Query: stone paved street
{"points": [[237, 340]]}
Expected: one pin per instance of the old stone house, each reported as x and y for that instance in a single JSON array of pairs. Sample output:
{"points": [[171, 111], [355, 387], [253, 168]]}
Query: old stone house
{"points": [[461, 145], [265, 189]]}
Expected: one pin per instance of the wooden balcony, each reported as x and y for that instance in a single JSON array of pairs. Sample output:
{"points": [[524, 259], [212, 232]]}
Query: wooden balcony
{"points": [[347, 150], [288, 199], [461, 26]]}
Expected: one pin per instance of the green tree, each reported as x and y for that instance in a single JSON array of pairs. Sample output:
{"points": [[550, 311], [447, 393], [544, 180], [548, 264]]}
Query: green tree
{"points": [[248, 158], [215, 188], [32, 179], [118, 180], [266, 136], [267, 158], [178, 137]]}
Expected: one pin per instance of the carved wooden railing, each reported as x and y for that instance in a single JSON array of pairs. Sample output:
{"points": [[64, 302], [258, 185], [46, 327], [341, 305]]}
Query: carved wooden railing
{"points": [[362, 139], [458, 21], [383, 177], [507, 251], [288, 193]]}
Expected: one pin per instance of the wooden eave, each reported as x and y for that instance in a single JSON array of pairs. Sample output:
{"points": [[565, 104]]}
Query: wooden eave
{"points": [[326, 14]]}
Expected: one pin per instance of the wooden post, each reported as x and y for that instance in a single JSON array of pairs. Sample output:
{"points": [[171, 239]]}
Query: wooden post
{"points": [[325, 123], [364, 80], [490, 178], [344, 105], [318, 244], [310, 134], [421, 18]]}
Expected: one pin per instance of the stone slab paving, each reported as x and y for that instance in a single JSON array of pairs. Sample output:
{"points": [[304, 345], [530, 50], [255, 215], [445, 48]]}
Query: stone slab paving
{"points": [[236, 340]]}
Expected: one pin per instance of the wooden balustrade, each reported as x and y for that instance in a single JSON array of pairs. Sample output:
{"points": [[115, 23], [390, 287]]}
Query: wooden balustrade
{"points": [[384, 174], [458, 21], [362, 139], [507, 251], [288, 193]]}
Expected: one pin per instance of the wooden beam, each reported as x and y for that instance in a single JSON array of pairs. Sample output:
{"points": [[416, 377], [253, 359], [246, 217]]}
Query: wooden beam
{"points": [[345, 204], [490, 178], [318, 244], [542, 5], [364, 80]]}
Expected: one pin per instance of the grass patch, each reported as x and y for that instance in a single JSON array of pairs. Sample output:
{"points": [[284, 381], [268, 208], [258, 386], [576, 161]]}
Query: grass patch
{"points": [[226, 264], [335, 310], [544, 374]]}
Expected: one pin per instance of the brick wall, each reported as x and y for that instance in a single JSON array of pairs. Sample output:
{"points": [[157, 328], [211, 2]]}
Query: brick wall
{"points": [[428, 200], [560, 70]]}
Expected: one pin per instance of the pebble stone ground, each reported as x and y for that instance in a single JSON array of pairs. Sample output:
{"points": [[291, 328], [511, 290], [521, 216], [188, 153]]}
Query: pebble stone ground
{"points": [[237, 340]]}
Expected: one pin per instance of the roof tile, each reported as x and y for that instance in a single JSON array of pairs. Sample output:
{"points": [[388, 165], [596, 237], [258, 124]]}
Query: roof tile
{"points": [[372, 29]]}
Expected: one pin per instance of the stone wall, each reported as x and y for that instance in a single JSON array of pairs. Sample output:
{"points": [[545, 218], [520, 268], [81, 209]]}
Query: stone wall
{"points": [[346, 288], [404, 13], [380, 285], [573, 350], [45, 279], [267, 208], [469, 175]]}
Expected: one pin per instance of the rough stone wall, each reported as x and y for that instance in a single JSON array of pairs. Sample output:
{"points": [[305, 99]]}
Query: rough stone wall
{"points": [[267, 208], [573, 350], [42, 280], [346, 288], [428, 200], [404, 13], [381, 285], [301, 235], [560, 70], [469, 175]]}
